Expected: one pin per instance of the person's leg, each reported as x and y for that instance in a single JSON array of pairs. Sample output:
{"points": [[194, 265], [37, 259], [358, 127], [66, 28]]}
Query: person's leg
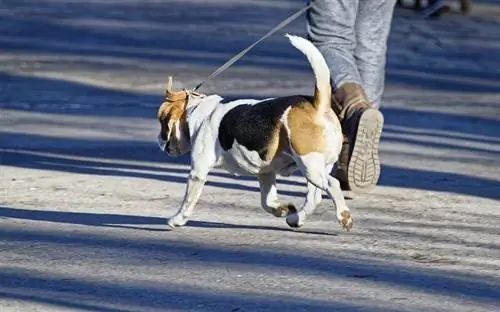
{"points": [[331, 27], [358, 104], [372, 28]]}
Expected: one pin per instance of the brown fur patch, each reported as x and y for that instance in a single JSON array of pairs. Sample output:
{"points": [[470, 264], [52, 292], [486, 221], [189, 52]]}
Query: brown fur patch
{"points": [[172, 112], [306, 130], [277, 143]]}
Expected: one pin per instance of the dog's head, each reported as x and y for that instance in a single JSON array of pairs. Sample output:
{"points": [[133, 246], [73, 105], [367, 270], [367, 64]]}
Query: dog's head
{"points": [[174, 133]]}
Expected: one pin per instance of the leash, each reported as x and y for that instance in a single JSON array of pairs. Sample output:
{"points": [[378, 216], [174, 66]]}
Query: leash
{"points": [[245, 51], [431, 9], [425, 14]]}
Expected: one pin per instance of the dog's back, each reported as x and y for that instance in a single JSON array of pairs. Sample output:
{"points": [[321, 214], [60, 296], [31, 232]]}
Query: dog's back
{"points": [[252, 136]]}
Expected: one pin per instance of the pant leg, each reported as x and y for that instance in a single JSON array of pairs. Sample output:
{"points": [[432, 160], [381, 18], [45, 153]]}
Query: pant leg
{"points": [[331, 27], [372, 28]]}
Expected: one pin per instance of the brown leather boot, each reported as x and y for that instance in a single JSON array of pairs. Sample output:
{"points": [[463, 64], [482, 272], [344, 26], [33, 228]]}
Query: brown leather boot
{"points": [[342, 165], [359, 164]]}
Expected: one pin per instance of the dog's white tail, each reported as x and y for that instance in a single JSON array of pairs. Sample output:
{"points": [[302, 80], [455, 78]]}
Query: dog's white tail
{"points": [[323, 92]]}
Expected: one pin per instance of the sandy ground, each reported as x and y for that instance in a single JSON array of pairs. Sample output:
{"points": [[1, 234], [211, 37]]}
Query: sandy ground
{"points": [[84, 191]]}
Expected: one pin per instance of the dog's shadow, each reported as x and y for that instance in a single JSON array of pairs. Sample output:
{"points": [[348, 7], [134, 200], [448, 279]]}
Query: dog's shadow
{"points": [[130, 222], [222, 225]]}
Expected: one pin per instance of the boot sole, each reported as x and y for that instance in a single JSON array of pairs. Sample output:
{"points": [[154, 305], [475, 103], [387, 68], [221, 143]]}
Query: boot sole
{"points": [[363, 170]]}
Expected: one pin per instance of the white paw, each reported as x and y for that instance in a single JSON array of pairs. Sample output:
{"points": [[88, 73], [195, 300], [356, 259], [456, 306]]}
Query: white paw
{"points": [[177, 221], [294, 220]]}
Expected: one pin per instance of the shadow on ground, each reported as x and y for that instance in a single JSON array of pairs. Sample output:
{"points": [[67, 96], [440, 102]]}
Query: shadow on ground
{"points": [[131, 222], [20, 149], [392, 176], [41, 287], [199, 33], [207, 34]]}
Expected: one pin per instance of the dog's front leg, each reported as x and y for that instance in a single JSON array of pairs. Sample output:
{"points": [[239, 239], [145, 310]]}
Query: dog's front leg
{"points": [[202, 161], [193, 191]]}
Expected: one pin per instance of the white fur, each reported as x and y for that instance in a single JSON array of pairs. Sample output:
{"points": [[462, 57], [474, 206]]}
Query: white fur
{"points": [[204, 115], [315, 58], [316, 169]]}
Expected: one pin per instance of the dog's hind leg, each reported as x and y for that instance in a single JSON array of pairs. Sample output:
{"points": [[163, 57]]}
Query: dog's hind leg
{"points": [[317, 174], [335, 192], [269, 196], [313, 198]]}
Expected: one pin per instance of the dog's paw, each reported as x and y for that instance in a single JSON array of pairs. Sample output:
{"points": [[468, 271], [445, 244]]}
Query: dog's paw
{"points": [[294, 220], [346, 220], [284, 210], [176, 221]]}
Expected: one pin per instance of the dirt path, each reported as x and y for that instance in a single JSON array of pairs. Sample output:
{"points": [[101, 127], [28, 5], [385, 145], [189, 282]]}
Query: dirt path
{"points": [[84, 191]]}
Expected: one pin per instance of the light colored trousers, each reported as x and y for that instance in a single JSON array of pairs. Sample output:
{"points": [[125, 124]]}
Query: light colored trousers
{"points": [[352, 35]]}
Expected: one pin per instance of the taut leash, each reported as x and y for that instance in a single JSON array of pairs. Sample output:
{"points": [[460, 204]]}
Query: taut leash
{"points": [[425, 13], [245, 51]]}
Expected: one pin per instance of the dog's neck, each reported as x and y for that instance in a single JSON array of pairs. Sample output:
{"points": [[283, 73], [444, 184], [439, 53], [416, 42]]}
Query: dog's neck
{"points": [[199, 108]]}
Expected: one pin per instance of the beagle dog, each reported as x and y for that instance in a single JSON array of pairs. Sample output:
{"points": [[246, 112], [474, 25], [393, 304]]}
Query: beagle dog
{"points": [[261, 138]]}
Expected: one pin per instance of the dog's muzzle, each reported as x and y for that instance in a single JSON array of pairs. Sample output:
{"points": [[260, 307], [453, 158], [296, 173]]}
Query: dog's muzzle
{"points": [[161, 143]]}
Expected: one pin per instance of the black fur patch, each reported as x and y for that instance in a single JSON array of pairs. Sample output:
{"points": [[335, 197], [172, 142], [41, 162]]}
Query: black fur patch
{"points": [[253, 125]]}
